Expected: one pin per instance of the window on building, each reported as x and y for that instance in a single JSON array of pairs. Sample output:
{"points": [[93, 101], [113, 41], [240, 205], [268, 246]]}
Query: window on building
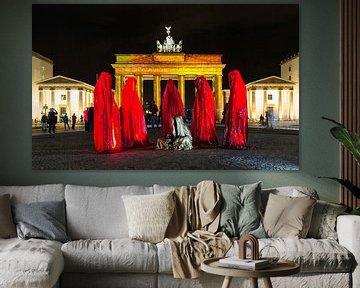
{"points": [[270, 97], [289, 68], [63, 97], [290, 77], [62, 110]]}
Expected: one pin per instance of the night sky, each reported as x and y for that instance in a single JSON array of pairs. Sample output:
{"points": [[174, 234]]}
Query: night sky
{"points": [[82, 39]]}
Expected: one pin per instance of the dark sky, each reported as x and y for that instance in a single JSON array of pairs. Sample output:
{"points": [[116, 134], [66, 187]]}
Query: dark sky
{"points": [[82, 39]]}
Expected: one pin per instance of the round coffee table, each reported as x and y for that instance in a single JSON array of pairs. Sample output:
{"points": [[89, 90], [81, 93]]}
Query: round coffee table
{"points": [[281, 268]]}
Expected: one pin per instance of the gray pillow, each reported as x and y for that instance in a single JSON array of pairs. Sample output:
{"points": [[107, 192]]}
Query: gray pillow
{"points": [[7, 227], [240, 213], [323, 222], [44, 220]]}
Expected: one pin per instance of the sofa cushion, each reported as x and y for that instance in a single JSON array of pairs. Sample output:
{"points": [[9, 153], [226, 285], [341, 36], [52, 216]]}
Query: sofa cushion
{"points": [[7, 226], [109, 280], [240, 210], [313, 255], [98, 213], [116, 255], [287, 216], [149, 215], [291, 191], [30, 263], [44, 220], [323, 222], [34, 193]]}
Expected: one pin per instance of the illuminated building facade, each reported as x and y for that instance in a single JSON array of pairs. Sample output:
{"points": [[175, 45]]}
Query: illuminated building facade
{"points": [[271, 94], [42, 68], [163, 66], [277, 94], [64, 95]]}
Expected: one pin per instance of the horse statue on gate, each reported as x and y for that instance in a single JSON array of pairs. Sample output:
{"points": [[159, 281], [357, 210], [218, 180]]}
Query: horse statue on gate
{"points": [[169, 44]]}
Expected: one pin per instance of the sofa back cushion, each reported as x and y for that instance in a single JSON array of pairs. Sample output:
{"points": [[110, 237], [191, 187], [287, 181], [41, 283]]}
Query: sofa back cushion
{"points": [[290, 191], [288, 217], [98, 212], [34, 193], [7, 226]]}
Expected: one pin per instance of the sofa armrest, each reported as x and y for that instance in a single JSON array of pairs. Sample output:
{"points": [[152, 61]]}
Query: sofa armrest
{"points": [[348, 230]]}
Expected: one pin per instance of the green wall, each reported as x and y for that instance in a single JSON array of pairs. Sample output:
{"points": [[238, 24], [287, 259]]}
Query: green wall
{"points": [[319, 70]]}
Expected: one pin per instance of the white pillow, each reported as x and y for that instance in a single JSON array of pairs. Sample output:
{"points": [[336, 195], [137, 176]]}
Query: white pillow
{"points": [[149, 215]]}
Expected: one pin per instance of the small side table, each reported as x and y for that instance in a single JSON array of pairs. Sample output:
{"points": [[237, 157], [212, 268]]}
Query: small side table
{"points": [[281, 268]]}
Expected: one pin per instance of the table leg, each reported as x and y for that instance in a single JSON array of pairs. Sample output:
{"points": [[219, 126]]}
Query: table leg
{"points": [[227, 282], [267, 282], [254, 282]]}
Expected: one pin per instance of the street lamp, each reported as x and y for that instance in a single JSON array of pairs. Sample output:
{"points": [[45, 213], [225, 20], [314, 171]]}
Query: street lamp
{"points": [[45, 107]]}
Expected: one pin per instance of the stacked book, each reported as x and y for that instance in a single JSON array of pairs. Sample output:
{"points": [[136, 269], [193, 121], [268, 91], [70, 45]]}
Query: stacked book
{"points": [[248, 264]]}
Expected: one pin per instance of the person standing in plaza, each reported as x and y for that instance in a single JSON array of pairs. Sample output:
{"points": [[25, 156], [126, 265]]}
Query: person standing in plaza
{"points": [[66, 121], [86, 119], [73, 121], [107, 133], [52, 120], [154, 117], [91, 119], [203, 125], [236, 115], [133, 122], [43, 122]]}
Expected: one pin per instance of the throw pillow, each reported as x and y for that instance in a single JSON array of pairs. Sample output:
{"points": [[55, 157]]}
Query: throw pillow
{"points": [[240, 213], [288, 217], [44, 220], [323, 222], [149, 215], [7, 227]]}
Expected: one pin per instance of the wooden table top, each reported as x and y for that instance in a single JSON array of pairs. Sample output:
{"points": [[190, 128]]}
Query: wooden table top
{"points": [[281, 268]]}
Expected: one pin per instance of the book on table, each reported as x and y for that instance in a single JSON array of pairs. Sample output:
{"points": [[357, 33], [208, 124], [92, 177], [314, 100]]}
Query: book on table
{"points": [[236, 262]]}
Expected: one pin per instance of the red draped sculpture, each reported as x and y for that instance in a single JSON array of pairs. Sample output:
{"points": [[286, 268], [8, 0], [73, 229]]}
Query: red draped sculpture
{"points": [[236, 114], [107, 135], [134, 129], [171, 106], [203, 123]]}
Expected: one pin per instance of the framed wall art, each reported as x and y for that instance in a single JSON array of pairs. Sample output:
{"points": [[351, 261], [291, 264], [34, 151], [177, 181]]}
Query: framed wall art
{"points": [[165, 87]]}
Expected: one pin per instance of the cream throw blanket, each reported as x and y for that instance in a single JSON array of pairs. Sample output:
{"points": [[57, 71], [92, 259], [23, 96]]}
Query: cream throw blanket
{"points": [[191, 231]]}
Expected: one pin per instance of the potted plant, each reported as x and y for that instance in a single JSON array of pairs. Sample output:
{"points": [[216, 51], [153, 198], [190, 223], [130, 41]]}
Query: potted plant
{"points": [[351, 141]]}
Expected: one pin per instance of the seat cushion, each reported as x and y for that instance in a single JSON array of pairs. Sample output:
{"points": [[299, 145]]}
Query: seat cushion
{"points": [[30, 263], [313, 255], [98, 212], [117, 255]]}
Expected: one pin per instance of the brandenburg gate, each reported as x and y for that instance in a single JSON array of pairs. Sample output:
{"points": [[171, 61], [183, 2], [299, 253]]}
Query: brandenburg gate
{"points": [[169, 63]]}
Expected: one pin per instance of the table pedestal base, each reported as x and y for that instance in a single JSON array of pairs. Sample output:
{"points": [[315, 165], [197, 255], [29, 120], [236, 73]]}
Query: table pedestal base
{"points": [[267, 282]]}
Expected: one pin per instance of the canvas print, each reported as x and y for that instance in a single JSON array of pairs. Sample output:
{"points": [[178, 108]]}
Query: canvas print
{"points": [[165, 87]]}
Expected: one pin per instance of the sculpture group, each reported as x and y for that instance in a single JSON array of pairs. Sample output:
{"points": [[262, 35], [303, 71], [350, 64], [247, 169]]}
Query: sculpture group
{"points": [[169, 44], [125, 127]]}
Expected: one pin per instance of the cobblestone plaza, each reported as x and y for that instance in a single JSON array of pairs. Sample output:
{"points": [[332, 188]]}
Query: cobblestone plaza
{"points": [[271, 149]]}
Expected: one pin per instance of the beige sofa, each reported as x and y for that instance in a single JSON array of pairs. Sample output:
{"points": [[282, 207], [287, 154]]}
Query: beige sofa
{"points": [[102, 255]]}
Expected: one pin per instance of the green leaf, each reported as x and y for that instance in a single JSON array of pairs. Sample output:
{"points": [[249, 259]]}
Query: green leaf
{"points": [[349, 139], [348, 185]]}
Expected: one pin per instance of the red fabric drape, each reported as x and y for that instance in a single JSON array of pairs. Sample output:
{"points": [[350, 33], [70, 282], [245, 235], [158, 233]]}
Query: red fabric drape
{"points": [[203, 123], [171, 106], [107, 135], [134, 129], [236, 115]]}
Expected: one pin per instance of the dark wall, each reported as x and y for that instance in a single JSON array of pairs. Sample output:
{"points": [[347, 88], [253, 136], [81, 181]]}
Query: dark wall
{"points": [[319, 93]]}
